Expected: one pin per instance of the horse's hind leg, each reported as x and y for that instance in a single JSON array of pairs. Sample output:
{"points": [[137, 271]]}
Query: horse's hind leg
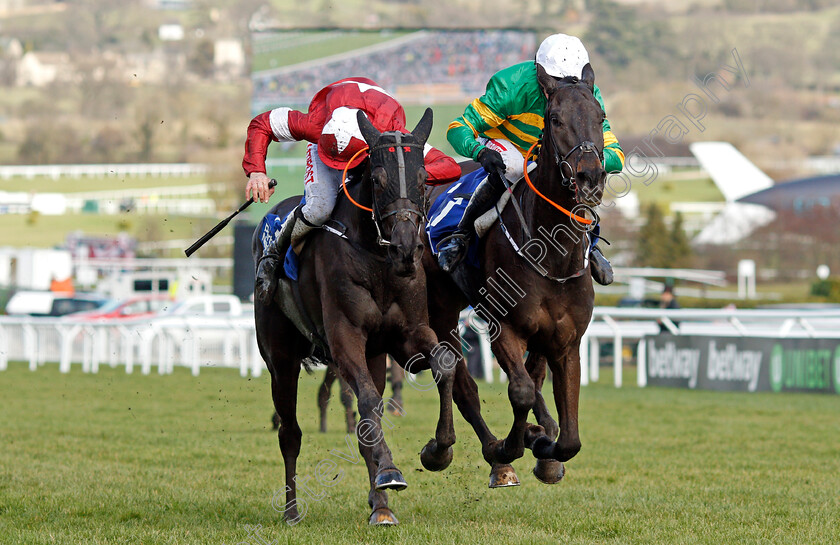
{"points": [[284, 386], [324, 397], [397, 374], [346, 394], [346, 400], [536, 367], [283, 361], [546, 470]]}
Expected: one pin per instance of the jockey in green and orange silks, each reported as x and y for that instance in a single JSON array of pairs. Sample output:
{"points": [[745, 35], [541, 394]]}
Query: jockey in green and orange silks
{"points": [[498, 128]]}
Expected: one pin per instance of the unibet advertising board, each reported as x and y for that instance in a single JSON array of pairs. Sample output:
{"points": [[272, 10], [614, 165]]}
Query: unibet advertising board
{"points": [[749, 364]]}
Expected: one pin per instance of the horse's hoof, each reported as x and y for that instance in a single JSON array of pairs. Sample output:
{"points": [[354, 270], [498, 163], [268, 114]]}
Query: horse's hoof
{"points": [[432, 462], [383, 517], [390, 479], [549, 471], [291, 515], [503, 475]]}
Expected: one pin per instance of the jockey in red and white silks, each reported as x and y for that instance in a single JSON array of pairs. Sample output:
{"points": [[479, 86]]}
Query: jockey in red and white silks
{"points": [[333, 132]]}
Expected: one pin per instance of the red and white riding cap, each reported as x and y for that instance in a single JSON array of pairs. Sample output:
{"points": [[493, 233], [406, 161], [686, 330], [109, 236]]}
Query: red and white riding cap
{"points": [[335, 107], [341, 139]]}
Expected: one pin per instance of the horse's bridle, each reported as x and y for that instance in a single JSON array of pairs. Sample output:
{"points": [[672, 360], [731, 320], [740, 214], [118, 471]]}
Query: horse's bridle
{"points": [[587, 146], [402, 214]]}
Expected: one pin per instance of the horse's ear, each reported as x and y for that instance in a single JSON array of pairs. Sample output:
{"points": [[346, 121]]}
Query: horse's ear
{"points": [[588, 77], [548, 83], [369, 132], [424, 126]]}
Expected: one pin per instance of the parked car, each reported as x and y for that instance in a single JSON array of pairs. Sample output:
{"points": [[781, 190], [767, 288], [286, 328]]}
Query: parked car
{"points": [[216, 305], [136, 307], [48, 303]]}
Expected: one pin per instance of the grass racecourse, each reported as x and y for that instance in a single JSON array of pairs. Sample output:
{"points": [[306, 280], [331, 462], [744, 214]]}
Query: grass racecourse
{"points": [[115, 458]]}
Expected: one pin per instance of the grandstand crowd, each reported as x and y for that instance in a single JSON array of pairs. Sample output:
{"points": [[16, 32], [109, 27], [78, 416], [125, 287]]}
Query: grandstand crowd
{"points": [[463, 58]]}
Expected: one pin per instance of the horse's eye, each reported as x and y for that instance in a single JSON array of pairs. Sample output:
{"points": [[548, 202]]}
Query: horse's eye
{"points": [[555, 120], [380, 177]]}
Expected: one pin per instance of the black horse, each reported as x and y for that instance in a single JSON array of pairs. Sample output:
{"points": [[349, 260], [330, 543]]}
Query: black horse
{"points": [[534, 287], [365, 293]]}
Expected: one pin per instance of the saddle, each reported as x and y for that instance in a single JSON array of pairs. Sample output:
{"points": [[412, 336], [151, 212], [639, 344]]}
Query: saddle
{"points": [[288, 296]]}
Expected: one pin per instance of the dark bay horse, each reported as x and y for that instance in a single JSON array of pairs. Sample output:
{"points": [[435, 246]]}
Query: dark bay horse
{"points": [[536, 298], [366, 295]]}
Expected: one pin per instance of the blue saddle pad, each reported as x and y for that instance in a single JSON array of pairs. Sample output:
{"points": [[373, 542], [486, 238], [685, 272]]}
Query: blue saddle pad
{"points": [[447, 211], [269, 230]]}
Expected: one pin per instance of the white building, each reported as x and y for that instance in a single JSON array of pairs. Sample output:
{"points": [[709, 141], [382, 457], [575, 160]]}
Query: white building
{"points": [[229, 58], [42, 68]]}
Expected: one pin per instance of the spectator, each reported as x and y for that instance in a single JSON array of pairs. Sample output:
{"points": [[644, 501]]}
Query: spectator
{"points": [[667, 300]]}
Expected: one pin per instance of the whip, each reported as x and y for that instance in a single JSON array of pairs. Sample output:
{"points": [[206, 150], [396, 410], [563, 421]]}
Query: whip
{"points": [[215, 230]]}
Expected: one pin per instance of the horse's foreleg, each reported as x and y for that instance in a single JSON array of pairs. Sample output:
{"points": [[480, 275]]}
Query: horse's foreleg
{"points": [[565, 372], [381, 514], [348, 348], [464, 388], [422, 351], [546, 470], [509, 350], [324, 396], [536, 367]]}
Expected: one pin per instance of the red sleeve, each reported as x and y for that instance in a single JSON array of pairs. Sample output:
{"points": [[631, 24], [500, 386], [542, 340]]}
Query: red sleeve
{"points": [[305, 126], [441, 168], [256, 145]]}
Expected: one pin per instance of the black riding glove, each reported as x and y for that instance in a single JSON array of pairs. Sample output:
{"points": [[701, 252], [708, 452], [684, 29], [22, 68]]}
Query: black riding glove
{"points": [[491, 160]]}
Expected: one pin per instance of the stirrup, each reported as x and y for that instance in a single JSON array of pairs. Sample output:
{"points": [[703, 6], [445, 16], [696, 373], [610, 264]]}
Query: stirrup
{"points": [[600, 267], [265, 284], [452, 249]]}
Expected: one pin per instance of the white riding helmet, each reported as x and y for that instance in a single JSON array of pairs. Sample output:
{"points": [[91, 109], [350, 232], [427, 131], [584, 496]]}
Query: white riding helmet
{"points": [[562, 55]]}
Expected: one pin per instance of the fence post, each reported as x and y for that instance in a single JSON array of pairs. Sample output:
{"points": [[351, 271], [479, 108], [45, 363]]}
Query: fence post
{"points": [[583, 351], [31, 343], [618, 354], [641, 363], [594, 359], [4, 350], [257, 363]]}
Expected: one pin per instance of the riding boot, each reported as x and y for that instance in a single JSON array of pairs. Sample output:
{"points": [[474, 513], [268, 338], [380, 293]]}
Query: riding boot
{"points": [[455, 245], [271, 262], [600, 268]]}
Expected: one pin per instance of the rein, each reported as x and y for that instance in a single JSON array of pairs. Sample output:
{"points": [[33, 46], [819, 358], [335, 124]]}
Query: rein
{"points": [[566, 181]]}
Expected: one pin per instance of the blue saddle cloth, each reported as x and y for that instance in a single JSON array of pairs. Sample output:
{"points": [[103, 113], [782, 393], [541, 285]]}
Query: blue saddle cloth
{"points": [[446, 212], [269, 230]]}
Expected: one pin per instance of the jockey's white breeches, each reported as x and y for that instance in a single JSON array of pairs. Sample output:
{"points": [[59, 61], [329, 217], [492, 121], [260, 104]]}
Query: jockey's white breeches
{"points": [[321, 187]]}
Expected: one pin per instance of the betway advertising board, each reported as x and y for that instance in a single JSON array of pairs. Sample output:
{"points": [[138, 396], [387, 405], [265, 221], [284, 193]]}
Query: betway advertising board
{"points": [[749, 364]]}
